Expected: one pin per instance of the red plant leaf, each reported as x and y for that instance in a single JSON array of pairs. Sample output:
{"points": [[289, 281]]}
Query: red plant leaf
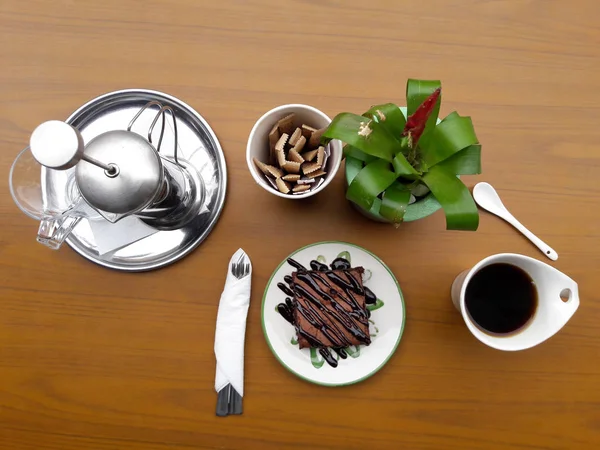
{"points": [[415, 124]]}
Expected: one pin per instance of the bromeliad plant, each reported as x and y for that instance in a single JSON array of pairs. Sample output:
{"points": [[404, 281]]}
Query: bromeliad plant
{"points": [[389, 158]]}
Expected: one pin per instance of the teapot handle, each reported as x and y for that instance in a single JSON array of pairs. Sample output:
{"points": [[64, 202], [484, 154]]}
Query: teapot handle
{"points": [[163, 109], [53, 230]]}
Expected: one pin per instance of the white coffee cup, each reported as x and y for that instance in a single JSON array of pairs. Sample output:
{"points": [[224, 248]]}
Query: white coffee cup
{"points": [[558, 299]]}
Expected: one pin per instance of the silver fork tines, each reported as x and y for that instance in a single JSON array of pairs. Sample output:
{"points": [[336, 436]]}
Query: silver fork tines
{"points": [[240, 269]]}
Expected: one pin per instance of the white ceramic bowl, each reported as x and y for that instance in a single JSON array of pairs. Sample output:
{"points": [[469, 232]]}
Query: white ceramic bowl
{"points": [[258, 145]]}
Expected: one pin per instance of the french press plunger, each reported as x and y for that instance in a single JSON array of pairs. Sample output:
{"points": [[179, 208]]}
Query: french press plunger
{"points": [[119, 173]]}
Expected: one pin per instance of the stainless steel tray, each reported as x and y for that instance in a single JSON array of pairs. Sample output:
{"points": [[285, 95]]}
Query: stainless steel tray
{"points": [[197, 144]]}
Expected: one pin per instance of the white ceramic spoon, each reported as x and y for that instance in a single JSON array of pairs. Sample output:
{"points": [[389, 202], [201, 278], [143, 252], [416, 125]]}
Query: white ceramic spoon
{"points": [[487, 197]]}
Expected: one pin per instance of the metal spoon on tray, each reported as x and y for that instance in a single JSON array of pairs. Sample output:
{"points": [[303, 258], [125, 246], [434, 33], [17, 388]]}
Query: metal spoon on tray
{"points": [[487, 198]]}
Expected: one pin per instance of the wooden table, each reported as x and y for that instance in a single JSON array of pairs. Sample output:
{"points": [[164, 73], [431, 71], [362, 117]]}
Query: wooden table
{"points": [[96, 359]]}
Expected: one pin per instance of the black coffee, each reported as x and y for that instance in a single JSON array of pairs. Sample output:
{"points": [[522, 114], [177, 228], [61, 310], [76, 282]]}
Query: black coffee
{"points": [[501, 298]]}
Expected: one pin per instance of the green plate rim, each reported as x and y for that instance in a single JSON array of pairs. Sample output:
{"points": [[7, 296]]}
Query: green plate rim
{"points": [[370, 374]]}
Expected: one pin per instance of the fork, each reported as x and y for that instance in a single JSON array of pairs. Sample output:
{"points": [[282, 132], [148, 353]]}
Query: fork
{"points": [[228, 399]]}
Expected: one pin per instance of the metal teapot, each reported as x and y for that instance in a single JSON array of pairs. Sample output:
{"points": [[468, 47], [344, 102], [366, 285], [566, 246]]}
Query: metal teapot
{"points": [[117, 174]]}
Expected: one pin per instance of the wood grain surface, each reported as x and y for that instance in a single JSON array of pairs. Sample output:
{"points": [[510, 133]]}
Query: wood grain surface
{"points": [[96, 359]]}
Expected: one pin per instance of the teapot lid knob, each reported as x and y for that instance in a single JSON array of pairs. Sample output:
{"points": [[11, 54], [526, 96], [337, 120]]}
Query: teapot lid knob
{"points": [[56, 145]]}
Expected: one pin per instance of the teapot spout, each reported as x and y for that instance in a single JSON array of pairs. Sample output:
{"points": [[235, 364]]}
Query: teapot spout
{"points": [[111, 217]]}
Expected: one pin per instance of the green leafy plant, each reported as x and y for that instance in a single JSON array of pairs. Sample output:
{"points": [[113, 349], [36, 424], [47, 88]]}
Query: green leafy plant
{"points": [[390, 157]]}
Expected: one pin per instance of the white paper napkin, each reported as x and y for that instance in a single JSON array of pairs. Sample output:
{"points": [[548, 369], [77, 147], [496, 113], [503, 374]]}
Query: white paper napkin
{"points": [[231, 328], [112, 236]]}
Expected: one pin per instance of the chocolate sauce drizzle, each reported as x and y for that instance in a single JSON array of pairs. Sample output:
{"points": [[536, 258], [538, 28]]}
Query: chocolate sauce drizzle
{"points": [[313, 309], [287, 310], [316, 265], [340, 264], [296, 265], [370, 297], [286, 290]]}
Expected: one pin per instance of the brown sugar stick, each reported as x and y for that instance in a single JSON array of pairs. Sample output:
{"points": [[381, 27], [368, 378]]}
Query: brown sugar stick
{"points": [[317, 173], [281, 158], [274, 171], [301, 188], [261, 166], [280, 145], [268, 170], [293, 155], [286, 125], [279, 149], [315, 138], [307, 131], [309, 156], [300, 144], [310, 167], [320, 155], [295, 136], [291, 177], [283, 186], [274, 136], [291, 167]]}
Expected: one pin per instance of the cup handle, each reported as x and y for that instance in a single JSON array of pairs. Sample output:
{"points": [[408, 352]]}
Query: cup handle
{"points": [[53, 230], [456, 289], [567, 296]]}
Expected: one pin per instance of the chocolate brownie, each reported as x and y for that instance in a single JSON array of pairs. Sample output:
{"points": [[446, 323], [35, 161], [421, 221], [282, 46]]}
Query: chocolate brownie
{"points": [[329, 308]]}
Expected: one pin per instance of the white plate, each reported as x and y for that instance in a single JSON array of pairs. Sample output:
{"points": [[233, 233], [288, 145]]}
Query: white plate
{"points": [[387, 321]]}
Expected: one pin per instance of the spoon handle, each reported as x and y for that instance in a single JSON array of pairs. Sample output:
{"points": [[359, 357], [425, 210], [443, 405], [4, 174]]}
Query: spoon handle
{"points": [[544, 248]]}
